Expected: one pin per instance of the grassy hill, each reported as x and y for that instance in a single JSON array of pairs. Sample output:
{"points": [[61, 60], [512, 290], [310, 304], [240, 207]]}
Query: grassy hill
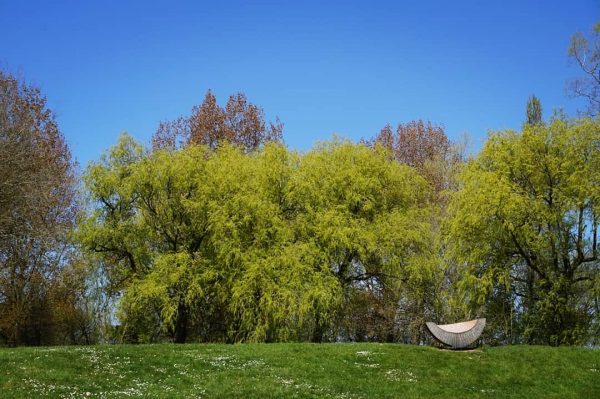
{"points": [[298, 371]]}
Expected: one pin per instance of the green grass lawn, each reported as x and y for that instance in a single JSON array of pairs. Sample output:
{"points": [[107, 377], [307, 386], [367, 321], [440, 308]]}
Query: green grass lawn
{"points": [[298, 371]]}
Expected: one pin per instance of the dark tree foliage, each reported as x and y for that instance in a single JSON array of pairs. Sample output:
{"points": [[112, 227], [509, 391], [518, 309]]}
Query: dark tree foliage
{"points": [[240, 123], [37, 211], [534, 111], [425, 147]]}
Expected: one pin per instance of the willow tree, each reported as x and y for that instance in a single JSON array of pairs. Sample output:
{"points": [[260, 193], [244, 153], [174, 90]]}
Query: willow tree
{"points": [[371, 218], [426, 148], [199, 244], [229, 245], [138, 225], [530, 202]]}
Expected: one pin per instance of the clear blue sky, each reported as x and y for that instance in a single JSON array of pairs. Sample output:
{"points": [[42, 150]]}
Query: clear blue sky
{"points": [[322, 67]]}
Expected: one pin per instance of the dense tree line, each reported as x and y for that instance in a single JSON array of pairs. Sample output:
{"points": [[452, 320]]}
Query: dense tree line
{"points": [[233, 243], [268, 246], [220, 233], [347, 242]]}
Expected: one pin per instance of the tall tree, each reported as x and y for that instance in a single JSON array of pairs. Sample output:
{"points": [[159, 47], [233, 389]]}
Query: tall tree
{"points": [[585, 52], [372, 220], [530, 202], [425, 147], [199, 242], [37, 210], [240, 123], [534, 111], [224, 245], [504, 297]]}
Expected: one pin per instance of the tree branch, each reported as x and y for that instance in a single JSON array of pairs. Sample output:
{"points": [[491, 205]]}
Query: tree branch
{"points": [[525, 256]]}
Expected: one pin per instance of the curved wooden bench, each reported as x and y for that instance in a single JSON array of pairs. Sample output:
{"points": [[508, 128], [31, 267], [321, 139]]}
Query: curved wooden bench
{"points": [[457, 335]]}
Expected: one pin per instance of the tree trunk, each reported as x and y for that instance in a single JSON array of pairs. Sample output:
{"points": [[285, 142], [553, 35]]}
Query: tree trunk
{"points": [[319, 331], [180, 333], [529, 296]]}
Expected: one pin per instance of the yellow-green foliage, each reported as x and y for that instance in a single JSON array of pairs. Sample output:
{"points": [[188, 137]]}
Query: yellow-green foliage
{"points": [[258, 246], [529, 203]]}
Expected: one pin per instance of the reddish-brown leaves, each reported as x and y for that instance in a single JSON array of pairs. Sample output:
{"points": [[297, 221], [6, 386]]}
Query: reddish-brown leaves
{"points": [[240, 122]]}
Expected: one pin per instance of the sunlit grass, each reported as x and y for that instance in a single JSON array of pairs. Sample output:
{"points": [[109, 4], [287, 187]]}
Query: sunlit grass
{"points": [[298, 371]]}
